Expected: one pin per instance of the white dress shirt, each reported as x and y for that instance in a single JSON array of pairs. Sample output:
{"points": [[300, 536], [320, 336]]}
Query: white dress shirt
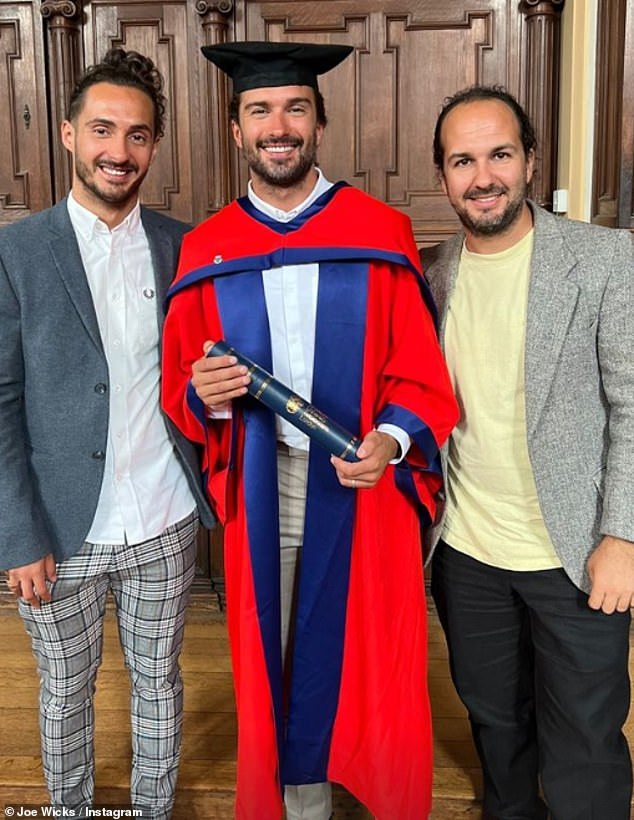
{"points": [[290, 292], [144, 488]]}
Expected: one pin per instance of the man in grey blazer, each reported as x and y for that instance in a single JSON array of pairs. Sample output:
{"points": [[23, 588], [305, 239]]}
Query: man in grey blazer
{"points": [[98, 491], [533, 569]]}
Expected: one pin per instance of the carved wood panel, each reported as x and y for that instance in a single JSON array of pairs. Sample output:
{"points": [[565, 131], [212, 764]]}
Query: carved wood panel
{"points": [[25, 185], [158, 30], [383, 103]]}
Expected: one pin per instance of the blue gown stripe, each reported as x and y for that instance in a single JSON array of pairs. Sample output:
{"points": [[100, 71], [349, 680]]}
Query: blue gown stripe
{"points": [[196, 406], [198, 409], [422, 436], [325, 566], [404, 477], [242, 308], [292, 256], [288, 227], [416, 428]]}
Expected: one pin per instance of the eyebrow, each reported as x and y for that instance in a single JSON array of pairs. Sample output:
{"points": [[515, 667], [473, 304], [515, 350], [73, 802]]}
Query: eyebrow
{"points": [[141, 126], [507, 146], [266, 103]]}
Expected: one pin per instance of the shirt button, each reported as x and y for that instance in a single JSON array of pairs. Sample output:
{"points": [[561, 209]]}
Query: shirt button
{"points": [[100, 388], [148, 293], [116, 343], [99, 455]]}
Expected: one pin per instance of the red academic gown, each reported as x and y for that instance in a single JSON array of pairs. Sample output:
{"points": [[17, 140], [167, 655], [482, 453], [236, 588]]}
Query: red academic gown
{"points": [[356, 709]]}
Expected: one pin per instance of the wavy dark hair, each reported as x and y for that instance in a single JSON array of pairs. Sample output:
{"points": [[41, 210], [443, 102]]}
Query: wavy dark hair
{"points": [[484, 92], [126, 68]]}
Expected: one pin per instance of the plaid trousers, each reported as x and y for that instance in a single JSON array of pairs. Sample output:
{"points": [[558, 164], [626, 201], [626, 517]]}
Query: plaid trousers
{"points": [[150, 583]]}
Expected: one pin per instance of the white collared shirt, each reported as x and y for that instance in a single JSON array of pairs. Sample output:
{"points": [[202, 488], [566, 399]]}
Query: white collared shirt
{"points": [[144, 488], [290, 292]]}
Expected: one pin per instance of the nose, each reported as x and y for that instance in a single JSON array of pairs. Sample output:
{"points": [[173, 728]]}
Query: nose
{"points": [[277, 124], [483, 176], [118, 147]]}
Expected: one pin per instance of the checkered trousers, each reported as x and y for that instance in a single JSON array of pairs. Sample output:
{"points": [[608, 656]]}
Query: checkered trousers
{"points": [[150, 584]]}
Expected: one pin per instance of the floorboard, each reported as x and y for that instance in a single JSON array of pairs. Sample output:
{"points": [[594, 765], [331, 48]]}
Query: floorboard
{"points": [[207, 773]]}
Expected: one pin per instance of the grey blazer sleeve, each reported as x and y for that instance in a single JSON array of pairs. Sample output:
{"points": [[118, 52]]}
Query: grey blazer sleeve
{"points": [[24, 535], [615, 341]]}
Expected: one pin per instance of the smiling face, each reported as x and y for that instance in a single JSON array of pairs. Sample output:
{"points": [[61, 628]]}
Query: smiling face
{"points": [[485, 174], [278, 133], [113, 145]]}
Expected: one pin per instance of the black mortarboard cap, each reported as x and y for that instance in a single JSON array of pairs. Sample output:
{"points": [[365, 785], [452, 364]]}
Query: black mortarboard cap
{"points": [[261, 65]]}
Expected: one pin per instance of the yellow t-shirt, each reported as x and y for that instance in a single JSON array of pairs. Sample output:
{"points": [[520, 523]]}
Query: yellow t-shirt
{"points": [[492, 510]]}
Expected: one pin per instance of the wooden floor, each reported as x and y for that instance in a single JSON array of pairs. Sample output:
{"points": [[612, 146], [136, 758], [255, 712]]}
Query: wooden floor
{"points": [[207, 773]]}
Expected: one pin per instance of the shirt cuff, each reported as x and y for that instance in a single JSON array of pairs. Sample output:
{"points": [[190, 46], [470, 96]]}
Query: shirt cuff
{"points": [[222, 411], [402, 438]]}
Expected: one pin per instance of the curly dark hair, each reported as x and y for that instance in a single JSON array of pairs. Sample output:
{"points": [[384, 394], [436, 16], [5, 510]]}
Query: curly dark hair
{"points": [[484, 92], [320, 107], [127, 68]]}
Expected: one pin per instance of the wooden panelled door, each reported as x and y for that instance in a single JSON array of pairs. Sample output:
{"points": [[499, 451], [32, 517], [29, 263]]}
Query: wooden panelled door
{"points": [[25, 185]]}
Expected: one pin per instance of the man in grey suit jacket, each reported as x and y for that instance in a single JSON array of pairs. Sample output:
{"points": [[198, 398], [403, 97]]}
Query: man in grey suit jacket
{"points": [[98, 491], [533, 569]]}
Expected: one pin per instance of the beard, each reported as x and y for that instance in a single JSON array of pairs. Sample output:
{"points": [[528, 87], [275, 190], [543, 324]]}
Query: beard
{"points": [[492, 224], [284, 173], [112, 194]]}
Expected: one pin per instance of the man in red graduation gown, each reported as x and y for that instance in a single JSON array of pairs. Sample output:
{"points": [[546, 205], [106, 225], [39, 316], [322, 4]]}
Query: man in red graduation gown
{"points": [[319, 284]]}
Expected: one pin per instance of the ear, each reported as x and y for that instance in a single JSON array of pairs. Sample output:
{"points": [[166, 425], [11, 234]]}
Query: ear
{"points": [[68, 135], [154, 150], [441, 179], [530, 165], [236, 133], [319, 133]]}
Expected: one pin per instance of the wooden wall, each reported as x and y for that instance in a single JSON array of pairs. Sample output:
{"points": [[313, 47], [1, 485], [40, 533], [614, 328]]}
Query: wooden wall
{"points": [[382, 102]]}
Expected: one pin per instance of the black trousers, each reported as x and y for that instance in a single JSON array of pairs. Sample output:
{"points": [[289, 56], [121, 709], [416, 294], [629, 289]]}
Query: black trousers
{"points": [[545, 681]]}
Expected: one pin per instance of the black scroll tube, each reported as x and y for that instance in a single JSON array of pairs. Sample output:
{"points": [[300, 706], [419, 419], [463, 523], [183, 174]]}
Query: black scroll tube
{"points": [[296, 410]]}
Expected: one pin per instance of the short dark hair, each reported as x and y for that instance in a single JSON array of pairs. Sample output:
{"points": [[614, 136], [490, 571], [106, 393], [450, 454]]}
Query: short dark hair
{"points": [[320, 107], [484, 92], [125, 68]]}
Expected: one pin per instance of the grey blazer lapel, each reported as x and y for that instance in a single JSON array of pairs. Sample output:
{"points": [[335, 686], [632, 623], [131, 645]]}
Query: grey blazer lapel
{"points": [[440, 266], [65, 253], [552, 297], [164, 251]]}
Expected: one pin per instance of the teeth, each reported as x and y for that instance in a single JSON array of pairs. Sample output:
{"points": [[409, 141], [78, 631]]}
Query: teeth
{"points": [[278, 149], [117, 172]]}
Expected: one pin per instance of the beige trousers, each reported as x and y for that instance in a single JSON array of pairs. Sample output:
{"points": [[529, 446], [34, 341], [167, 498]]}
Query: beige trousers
{"points": [[312, 801]]}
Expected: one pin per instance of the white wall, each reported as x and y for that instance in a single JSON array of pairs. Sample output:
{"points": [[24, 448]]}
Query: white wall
{"points": [[576, 118]]}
